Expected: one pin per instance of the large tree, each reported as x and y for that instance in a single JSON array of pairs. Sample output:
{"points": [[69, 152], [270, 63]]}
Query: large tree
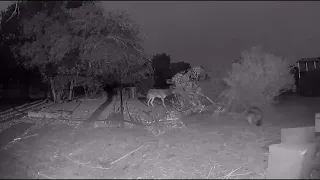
{"points": [[179, 67], [161, 66], [83, 44], [12, 23], [47, 40], [110, 45], [109, 42]]}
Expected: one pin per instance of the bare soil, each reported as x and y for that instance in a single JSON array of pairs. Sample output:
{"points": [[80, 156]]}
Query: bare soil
{"points": [[208, 147]]}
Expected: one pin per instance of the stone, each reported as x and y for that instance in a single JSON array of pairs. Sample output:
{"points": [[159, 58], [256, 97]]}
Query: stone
{"points": [[290, 161], [298, 135]]}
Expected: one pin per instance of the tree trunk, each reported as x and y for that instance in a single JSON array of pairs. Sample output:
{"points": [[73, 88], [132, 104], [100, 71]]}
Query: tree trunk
{"points": [[53, 90], [94, 93], [74, 84], [121, 108], [59, 96], [70, 90], [49, 96], [86, 92]]}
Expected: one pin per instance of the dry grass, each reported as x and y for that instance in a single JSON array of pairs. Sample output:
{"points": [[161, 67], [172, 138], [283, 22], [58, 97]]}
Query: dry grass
{"points": [[183, 153], [207, 147], [177, 154]]}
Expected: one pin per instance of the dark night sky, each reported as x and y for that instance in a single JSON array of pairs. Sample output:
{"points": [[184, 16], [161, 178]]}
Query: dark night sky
{"points": [[215, 33]]}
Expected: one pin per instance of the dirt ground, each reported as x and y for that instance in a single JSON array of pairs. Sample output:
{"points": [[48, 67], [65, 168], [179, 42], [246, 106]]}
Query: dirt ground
{"points": [[207, 147]]}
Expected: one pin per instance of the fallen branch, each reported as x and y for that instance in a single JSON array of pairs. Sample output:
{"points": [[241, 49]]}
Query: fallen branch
{"points": [[85, 164], [18, 108], [45, 176], [243, 174], [19, 138], [209, 172], [230, 174], [126, 155], [12, 112], [206, 97]]}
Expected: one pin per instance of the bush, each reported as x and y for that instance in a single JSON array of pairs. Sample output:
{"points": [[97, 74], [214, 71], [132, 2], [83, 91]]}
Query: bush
{"points": [[257, 79], [146, 84], [188, 97], [92, 86], [213, 87], [61, 87]]}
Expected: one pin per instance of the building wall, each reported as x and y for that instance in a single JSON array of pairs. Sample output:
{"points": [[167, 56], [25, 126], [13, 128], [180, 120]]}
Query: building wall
{"points": [[309, 83]]}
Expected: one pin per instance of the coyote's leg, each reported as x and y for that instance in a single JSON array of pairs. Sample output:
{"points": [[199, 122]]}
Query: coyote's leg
{"points": [[151, 102], [148, 103], [162, 99]]}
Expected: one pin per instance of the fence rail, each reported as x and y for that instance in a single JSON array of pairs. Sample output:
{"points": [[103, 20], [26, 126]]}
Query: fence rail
{"points": [[22, 110]]}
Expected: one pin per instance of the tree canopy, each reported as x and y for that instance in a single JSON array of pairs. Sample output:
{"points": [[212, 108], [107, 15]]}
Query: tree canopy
{"points": [[161, 66], [82, 42], [104, 41]]}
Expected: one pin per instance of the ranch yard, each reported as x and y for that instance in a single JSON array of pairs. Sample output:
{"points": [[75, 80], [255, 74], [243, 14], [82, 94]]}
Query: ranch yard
{"points": [[205, 146]]}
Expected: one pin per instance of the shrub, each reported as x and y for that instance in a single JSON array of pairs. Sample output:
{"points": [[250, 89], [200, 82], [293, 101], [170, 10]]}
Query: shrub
{"points": [[188, 97], [61, 87], [213, 87], [257, 79], [92, 86], [146, 84]]}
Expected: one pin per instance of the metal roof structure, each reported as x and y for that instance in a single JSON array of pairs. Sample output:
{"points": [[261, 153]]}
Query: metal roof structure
{"points": [[308, 59], [307, 64]]}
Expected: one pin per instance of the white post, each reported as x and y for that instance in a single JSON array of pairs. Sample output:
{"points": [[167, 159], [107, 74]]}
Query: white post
{"points": [[306, 66]]}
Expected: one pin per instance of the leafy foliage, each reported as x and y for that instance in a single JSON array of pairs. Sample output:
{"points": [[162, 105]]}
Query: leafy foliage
{"points": [[178, 67], [109, 42], [49, 41], [82, 44], [12, 34], [188, 96], [161, 66], [257, 79]]}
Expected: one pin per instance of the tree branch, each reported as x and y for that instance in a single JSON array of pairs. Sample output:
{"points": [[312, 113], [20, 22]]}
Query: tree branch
{"points": [[15, 12], [119, 40]]}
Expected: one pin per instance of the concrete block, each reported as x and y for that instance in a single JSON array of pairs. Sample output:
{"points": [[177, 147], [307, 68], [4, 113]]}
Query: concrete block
{"points": [[290, 161], [298, 135], [317, 119], [316, 162]]}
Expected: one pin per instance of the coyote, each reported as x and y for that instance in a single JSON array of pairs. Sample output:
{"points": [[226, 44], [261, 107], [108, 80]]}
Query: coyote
{"points": [[159, 93], [254, 115]]}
